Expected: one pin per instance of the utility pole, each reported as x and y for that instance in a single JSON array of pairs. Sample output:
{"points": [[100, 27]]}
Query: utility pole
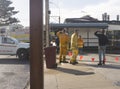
{"points": [[47, 21], [36, 45], [58, 16]]}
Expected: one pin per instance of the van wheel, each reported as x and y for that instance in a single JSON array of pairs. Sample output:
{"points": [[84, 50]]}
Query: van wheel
{"points": [[23, 54]]}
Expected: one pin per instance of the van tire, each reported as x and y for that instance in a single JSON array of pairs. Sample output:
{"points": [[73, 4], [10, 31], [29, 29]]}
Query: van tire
{"points": [[23, 54]]}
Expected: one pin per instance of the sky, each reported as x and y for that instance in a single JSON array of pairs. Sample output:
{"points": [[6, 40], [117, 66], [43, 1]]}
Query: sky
{"points": [[23, 7], [70, 9]]}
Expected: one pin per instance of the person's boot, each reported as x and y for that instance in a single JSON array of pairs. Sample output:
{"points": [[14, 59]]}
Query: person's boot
{"points": [[74, 63], [64, 60], [60, 61], [100, 63]]}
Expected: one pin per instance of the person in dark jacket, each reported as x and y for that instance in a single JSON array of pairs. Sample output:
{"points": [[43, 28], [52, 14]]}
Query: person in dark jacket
{"points": [[103, 41], [57, 43]]}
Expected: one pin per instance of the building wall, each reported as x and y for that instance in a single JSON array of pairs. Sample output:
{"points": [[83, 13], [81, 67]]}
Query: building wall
{"points": [[88, 34], [113, 34], [113, 27]]}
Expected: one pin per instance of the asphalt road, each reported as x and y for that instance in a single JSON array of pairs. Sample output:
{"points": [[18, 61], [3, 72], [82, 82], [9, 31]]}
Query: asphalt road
{"points": [[14, 73]]}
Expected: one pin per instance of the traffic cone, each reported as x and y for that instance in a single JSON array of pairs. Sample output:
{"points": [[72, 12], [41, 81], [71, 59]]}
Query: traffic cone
{"points": [[104, 60], [81, 57], [93, 59], [116, 59]]}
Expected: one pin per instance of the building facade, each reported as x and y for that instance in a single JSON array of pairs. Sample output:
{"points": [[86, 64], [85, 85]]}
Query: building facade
{"points": [[87, 33]]}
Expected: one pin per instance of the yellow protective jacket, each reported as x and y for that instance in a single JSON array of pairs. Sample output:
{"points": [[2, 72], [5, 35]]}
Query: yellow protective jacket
{"points": [[80, 43], [74, 40], [63, 38]]}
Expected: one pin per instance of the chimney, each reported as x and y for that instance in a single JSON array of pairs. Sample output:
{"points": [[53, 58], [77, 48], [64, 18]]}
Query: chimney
{"points": [[103, 17], [108, 17], [117, 17]]}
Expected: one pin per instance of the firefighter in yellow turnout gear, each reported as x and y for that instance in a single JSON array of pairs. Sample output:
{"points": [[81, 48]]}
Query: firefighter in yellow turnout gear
{"points": [[80, 44], [74, 47], [64, 45]]}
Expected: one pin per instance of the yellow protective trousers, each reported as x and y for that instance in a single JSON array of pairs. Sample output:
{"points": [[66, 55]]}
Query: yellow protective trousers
{"points": [[64, 40], [63, 52], [74, 55]]}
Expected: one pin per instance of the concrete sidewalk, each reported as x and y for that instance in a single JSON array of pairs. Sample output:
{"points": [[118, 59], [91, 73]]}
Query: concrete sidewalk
{"points": [[80, 76]]}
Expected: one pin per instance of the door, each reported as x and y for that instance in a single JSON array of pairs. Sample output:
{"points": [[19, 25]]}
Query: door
{"points": [[7, 46]]}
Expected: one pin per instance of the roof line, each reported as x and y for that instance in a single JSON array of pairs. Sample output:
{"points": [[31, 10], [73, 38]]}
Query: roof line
{"points": [[79, 25]]}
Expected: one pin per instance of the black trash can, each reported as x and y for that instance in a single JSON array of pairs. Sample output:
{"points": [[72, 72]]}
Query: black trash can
{"points": [[50, 57]]}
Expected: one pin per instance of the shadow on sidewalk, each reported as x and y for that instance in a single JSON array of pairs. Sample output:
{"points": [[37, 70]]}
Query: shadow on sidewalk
{"points": [[94, 61], [73, 71], [112, 66], [13, 61]]}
